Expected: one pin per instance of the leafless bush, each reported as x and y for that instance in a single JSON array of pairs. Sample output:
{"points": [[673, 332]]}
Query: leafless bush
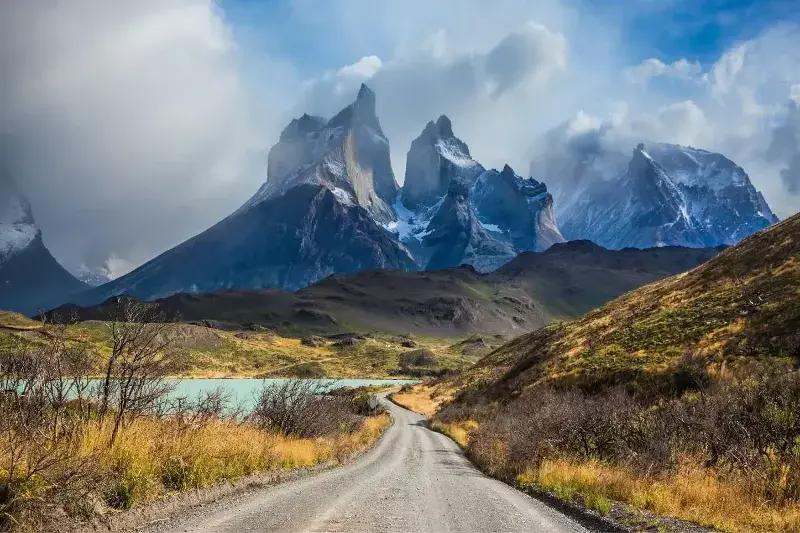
{"points": [[545, 423], [134, 381], [209, 405], [48, 403], [302, 408]]}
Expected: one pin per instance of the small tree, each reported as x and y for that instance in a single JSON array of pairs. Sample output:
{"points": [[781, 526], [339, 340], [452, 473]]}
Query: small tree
{"points": [[135, 374]]}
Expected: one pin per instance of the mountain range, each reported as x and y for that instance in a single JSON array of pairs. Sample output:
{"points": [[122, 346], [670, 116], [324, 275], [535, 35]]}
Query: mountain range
{"points": [[530, 291], [664, 194], [331, 205]]}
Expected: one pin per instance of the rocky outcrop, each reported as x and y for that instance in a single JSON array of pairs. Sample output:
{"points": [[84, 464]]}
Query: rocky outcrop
{"points": [[520, 208], [457, 237], [510, 214], [436, 158], [31, 280], [348, 155]]}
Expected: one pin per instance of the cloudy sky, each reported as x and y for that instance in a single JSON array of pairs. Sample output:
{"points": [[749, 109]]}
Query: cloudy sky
{"points": [[133, 125]]}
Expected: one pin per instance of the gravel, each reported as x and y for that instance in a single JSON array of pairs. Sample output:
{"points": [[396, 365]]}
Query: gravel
{"points": [[414, 480]]}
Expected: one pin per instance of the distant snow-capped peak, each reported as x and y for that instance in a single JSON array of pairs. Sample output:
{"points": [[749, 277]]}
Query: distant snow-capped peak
{"points": [[17, 227]]}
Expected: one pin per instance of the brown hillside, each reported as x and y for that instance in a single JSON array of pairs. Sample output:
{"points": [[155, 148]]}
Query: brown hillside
{"points": [[740, 309]]}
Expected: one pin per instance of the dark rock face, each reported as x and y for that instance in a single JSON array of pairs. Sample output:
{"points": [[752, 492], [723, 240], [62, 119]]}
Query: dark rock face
{"points": [[436, 158], [31, 280], [664, 195], [286, 242], [456, 235], [521, 208], [296, 147], [454, 211]]}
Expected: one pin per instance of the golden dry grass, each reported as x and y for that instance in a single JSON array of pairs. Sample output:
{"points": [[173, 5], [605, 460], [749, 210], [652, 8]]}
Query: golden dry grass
{"points": [[152, 458], [692, 493], [740, 308], [213, 353], [9, 319], [424, 398], [458, 431]]}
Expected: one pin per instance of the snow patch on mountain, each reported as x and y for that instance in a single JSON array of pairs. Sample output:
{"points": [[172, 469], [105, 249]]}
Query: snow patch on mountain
{"points": [[343, 196], [454, 152], [14, 238], [94, 277], [491, 227]]}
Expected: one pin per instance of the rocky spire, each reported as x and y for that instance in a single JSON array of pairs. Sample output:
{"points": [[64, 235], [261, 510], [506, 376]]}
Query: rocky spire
{"points": [[444, 126], [435, 158]]}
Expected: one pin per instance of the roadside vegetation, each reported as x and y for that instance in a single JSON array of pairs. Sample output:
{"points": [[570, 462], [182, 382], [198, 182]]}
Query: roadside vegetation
{"points": [[726, 455], [84, 435], [679, 399]]}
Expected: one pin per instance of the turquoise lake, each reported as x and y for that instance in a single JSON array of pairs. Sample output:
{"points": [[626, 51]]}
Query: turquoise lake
{"points": [[245, 390]]}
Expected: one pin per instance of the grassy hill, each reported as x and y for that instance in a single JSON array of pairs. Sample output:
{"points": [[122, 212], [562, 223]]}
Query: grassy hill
{"points": [[527, 293], [741, 309], [678, 400]]}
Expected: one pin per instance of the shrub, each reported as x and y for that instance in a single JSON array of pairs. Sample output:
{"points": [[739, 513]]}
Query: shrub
{"points": [[302, 408]]}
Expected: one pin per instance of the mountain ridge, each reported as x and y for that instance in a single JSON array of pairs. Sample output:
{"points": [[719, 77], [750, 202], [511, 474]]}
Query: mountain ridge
{"points": [[528, 292], [663, 194]]}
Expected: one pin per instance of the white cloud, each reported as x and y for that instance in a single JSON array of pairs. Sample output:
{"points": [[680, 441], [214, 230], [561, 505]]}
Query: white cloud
{"points": [[485, 92], [126, 123], [682, 123], [115, 266], [364, 68], [650, 68], [723, 74], [532, 53]]}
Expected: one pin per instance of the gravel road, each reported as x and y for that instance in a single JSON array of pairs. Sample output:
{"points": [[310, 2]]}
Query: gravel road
{"points": [[413, 481]]}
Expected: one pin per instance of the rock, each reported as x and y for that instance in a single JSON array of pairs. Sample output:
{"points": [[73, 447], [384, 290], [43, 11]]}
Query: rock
{"points": [[455, 235], [313, 341], [346, 343], [474, 345], [435, 159], [408, 343], [420, 357], [520, 208]]}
